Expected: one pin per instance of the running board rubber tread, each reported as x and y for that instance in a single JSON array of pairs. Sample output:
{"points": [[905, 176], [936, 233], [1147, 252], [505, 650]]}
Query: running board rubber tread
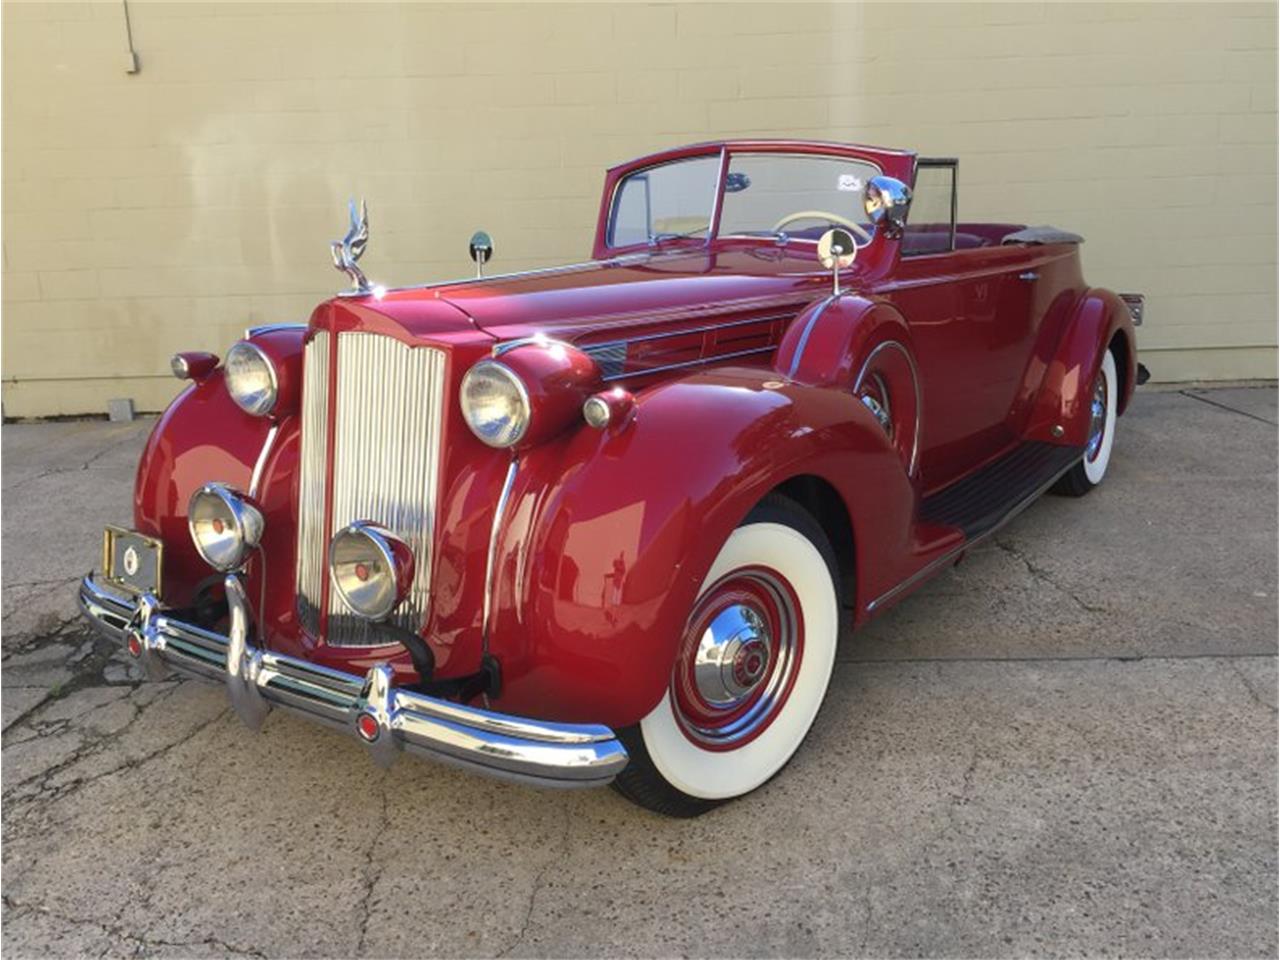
{"points": [[980, 502]]}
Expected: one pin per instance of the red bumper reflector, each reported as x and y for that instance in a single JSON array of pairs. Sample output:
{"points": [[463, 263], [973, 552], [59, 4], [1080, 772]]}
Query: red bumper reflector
{"points": [[367, 725]]}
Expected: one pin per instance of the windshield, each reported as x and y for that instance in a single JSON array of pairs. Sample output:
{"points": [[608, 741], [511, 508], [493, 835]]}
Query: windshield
{"points": [[665, 202], [800, 196], [788, 196]]}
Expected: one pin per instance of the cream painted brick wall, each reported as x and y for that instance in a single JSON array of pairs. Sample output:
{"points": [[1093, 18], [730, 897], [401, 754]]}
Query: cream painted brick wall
{"points": [[171, 209]]}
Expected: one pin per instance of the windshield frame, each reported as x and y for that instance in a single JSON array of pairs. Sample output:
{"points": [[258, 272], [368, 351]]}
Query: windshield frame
{"points": [[653, 242], [726, 151]]}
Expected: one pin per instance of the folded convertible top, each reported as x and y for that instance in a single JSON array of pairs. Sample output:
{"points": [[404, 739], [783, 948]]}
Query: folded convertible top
{"points": [[1044, 234]]}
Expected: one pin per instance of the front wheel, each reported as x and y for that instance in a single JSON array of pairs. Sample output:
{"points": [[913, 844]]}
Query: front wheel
{"points": [[751, 668], [1088, 473]]}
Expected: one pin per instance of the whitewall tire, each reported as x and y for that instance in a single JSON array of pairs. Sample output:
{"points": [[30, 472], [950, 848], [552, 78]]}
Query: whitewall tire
{"points": [[1092, 468], [751, 670]]}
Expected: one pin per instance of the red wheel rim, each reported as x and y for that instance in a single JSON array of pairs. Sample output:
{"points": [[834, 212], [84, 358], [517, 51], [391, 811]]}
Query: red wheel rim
{"points": [[738, 658]]}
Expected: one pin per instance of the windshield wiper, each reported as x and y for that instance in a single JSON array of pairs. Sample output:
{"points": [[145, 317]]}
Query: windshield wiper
{"points": [[657, 238], [781, 236]]}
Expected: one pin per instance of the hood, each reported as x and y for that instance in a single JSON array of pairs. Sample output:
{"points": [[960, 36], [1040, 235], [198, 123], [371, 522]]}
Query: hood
{"points": [[424, 316], [570, 302]]}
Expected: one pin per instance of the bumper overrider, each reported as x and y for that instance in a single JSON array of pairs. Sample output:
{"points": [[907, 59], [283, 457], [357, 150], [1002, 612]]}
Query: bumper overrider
{"points": [[386, 718]]}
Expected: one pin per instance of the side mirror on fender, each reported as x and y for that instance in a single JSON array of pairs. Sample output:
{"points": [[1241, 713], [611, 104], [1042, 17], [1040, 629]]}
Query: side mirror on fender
{"points": [[887, 202], [836, 250], [481, 250]]}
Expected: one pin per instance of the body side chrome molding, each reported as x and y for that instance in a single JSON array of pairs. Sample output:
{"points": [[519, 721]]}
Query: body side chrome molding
{"points": [[534, 272], [668, 334], [537, 340], [891, 286], [594, 350], [793, 301], [700, 362], [255, 481], [808, 329], [491, 562]]}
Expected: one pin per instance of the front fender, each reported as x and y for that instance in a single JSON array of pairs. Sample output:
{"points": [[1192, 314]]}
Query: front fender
{"points": [[827, 343], [1061, 410], [609, 536], [847, 342], [204, 436]]}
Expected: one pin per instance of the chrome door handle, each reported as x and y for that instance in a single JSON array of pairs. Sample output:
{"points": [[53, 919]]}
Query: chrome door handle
{"points": [[1029, 276]]}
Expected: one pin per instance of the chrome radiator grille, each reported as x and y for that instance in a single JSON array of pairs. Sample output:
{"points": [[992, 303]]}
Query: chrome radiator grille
{"points": [[312, 568], [387, 410]]}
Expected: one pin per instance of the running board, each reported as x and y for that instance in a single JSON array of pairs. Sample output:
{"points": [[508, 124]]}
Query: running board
{"points": [[983, 500]]}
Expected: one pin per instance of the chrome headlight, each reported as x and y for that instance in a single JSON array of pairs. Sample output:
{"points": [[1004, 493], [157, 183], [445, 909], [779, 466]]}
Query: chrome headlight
{"points": [[495, 404], [371, 568], [251, 379], [224, 526]]}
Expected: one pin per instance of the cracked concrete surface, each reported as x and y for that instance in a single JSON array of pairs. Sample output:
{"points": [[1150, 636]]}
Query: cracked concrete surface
{"points": [[1064, 745]]}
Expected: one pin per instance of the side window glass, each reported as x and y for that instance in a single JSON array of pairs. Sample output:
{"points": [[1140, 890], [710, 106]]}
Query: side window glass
{"points": [[931, 220]]}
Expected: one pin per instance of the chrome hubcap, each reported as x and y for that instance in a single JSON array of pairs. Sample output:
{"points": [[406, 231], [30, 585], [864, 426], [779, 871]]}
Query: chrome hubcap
{"points": [[732, 657], [738, 659], [1098, 417]]}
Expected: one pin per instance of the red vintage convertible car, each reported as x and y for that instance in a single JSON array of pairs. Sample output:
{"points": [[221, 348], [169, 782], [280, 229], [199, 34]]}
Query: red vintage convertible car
{"points": [[603, 522]]}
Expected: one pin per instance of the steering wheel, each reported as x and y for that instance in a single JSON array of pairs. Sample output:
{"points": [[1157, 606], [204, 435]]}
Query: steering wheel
{"points": [[822, 215]]}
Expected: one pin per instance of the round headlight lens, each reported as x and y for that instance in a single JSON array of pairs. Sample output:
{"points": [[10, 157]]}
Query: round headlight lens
{"points": [[251, 379], [224, 526], [495, 404], [371, 569]]}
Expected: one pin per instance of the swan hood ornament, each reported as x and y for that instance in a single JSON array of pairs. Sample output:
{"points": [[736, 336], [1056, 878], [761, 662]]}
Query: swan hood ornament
{"points": [[351, 248]]}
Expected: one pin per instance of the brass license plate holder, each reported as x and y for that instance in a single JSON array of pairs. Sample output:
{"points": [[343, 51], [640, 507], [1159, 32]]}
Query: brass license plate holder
{"points": [[132, 561]]}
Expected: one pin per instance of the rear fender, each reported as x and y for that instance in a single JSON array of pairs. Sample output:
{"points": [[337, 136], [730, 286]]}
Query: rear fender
{"points": [[1061, 410], [609, 535]]}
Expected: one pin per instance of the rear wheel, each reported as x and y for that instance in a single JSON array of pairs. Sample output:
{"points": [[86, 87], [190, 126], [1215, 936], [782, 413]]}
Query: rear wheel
{"points": [[1088, 473], [751, 669]]}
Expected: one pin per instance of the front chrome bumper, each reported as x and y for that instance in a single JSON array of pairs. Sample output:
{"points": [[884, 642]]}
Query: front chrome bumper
{"points": [[384, 717]]}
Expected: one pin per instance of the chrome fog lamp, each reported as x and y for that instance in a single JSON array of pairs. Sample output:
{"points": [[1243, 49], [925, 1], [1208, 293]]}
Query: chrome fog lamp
{"points": [[225, 527], [495, 404], [251, 379], [371, 569]]}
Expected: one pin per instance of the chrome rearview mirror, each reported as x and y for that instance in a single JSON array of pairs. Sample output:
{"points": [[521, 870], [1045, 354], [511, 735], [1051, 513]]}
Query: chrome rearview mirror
{"points": [[887, 202], [481, 249], [836, 250]]}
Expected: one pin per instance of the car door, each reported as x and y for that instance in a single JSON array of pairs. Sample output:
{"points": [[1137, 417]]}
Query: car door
{"points": [[970, 316]]}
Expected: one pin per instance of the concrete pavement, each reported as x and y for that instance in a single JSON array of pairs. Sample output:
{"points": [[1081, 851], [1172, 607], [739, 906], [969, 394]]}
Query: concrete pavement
{"points": [[1065, 745]]}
